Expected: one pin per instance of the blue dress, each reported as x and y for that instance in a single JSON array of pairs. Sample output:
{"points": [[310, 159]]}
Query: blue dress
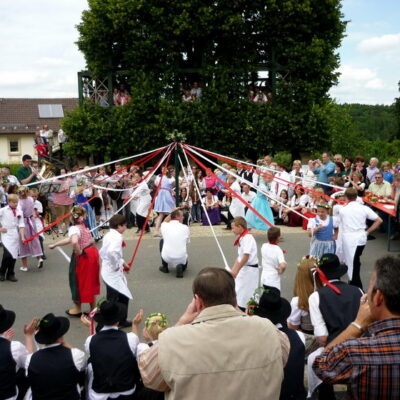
{"points": [[90, 219], [165, 201], [322, 242], [260, 204]]}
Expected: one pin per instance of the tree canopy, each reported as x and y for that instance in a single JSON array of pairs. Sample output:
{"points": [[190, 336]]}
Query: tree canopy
{"points": [[161, 44]]}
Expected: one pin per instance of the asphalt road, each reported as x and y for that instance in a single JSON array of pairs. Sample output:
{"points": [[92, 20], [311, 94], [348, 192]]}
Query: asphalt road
{"points": [[42, 291]]}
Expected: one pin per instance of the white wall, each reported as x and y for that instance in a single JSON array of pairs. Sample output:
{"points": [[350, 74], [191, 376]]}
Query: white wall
{"points": [[25, 147]]}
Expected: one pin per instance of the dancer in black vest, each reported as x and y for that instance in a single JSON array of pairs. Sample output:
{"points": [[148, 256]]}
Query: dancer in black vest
{"points": [[277, 310], [55, 371], [112, 362], [332, 308], [12, 354]]}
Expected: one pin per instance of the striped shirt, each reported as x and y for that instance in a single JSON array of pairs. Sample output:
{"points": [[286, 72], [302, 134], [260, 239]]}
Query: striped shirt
{"points": [[370, 365], [150, 368]]}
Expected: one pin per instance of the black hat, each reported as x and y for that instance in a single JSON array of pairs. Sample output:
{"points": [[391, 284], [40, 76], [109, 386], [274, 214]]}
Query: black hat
{"points": [[330, 265], [273, 306], [7, 319], [51, 328], [109, 313]]}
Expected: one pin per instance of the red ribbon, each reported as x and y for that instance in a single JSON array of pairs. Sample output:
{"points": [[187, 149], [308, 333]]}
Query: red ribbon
{"points": [[243, 234], [325, 280], [229, 161], [123, 243], [14, 211]]}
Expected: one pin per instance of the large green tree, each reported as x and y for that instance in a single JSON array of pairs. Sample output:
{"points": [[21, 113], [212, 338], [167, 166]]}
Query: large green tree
{"points": [[161, 44]]}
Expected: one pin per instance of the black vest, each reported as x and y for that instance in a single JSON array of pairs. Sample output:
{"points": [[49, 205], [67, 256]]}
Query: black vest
{"points": [[293, 378], [53, 375], [338, 310], [8, 374], [114, 365]]}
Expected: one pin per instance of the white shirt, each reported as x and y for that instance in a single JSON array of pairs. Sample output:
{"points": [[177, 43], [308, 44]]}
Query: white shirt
{"points": [[10, 239], [248, 245], [353, 216], [133, 342], [302, 202], [176, 236], [249, 197], [312, 223], [297, 313], [19, 354], [271, 257]]}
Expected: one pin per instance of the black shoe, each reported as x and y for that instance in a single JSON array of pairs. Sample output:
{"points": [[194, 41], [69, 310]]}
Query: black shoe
{"points": [[164, 269], [77, 315], [12, 278], [179, 271], [125, 324], [44, 257], [2, 278]]}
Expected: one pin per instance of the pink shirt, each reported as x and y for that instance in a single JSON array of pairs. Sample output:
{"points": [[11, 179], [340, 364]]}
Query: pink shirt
{"points": [[210, 181]]}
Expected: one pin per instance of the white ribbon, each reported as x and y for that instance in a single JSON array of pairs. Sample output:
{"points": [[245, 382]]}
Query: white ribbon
{"points": [[64, 254], [205, 210], [83, 171], [251, 184], [146, 179]]}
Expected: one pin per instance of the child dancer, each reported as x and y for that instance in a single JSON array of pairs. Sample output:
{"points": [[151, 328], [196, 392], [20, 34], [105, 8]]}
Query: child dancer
{"points": [[32, 248], [321, 230], [38, 216], [273, 260], [245, 268], [113, 266], [12, 231]]}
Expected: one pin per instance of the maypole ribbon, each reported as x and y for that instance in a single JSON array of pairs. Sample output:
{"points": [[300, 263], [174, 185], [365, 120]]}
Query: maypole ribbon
{"points": [[233, 193], [251, 184], [150, 210], [233, 161], [146, 178], [94, 167], [204, 209], [144, 159]]}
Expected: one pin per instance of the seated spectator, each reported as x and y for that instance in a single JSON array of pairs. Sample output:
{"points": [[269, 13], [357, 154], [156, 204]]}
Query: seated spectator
{"points": [[211, 204], [339, 171], [5, 175], [297, 203], [277, 208], [13, 355], [332, 308], [356, 180], [387, 172], [359, 164], [277, 309], [56, 371], [372, 169], [195, 91], [369, 365], [380, 187], [348, 165], [228, 364], [187, 96]]}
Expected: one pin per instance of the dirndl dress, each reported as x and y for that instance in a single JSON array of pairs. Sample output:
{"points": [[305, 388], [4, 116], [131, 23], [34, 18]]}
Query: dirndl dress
{"points": [[165, 201], [84, 269], [322, 242]]}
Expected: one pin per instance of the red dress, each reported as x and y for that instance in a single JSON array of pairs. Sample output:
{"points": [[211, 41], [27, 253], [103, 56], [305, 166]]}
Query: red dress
{"points": [[84, 269]]}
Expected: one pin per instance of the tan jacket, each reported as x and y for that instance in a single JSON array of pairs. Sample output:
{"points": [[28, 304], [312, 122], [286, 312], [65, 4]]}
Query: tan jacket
{"points": [[223, 354]]}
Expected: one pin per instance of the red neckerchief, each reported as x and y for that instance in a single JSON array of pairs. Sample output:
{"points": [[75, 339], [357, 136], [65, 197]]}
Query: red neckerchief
{"points": [[276, 244], [325, 280], [243, 234], [123, 243], [14, 211]]}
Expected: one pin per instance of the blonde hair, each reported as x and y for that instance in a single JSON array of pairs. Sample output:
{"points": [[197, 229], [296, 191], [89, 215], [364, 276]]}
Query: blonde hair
{"points": [[155, 324], [304, 282], [77, 213], [34, 191], [13, 197]]}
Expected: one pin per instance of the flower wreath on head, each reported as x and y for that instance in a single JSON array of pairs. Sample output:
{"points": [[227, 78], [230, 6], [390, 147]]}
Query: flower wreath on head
{"points": [[324, 205], [159, 318], [255, 300], [309, 257]]}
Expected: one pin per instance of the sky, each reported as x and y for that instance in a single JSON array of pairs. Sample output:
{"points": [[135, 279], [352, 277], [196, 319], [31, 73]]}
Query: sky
{"points": [[38, 56]]}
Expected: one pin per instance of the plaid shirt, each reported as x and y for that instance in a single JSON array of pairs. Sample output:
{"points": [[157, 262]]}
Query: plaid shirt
{"points": [[370, 365]]}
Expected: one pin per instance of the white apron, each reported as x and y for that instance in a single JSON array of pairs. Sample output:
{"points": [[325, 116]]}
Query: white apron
{"points": [[246, 283], [349, 241], [237, 207], [10, 239], [143, 200], [112, 263], [313, 380]]}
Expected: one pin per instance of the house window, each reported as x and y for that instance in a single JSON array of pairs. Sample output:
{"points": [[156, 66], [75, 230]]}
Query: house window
{"points": [[13, 146]]}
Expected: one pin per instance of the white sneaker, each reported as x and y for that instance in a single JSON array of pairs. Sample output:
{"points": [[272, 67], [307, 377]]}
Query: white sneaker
{"points": [[24, 269], [40, 263]]}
